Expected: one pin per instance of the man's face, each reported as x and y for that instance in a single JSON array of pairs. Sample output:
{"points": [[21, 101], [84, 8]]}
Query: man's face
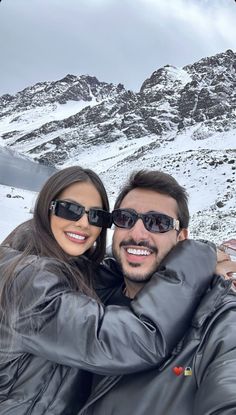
{"points": [[138, 251]]}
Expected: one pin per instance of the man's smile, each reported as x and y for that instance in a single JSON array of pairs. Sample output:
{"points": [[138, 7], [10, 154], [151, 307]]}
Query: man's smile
{"points": [[138, 251]]}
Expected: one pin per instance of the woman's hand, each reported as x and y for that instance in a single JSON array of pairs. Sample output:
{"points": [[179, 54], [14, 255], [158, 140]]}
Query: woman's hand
{"points": [[226, 267], [222, 256]]}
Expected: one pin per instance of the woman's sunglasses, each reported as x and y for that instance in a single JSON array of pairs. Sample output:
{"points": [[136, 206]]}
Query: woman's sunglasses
{"points": [[75, 211], [153, 221]]}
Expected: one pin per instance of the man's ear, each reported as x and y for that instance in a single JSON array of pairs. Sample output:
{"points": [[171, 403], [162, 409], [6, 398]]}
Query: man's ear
{"points": [[183, 234]]}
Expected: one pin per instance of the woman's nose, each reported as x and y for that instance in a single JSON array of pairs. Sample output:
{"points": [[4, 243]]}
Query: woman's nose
{"points": [[83, 221]]}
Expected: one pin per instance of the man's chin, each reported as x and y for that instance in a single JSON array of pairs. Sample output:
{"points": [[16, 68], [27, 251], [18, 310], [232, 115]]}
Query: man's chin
{"points": [[136, 278], [134, 273]]}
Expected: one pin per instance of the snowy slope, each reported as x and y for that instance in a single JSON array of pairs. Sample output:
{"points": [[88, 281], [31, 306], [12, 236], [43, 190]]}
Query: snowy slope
{"points": [[207, 171], [33, 118], [182, 121], [15, 207]]}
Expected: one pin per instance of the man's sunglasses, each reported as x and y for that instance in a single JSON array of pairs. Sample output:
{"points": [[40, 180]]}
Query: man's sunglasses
{"points": [[153, 221], [75, 211]]}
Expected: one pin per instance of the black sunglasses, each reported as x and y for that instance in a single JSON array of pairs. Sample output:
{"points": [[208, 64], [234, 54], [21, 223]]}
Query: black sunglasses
{"points": [[75, 211], [153, 221]]}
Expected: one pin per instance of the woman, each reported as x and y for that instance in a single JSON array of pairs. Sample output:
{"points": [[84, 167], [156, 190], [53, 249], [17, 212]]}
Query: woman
{"points": [[51, 330]]}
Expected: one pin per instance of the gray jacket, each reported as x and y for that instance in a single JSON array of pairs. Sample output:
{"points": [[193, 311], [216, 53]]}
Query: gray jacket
{"points": [[54, 336], [199, 378]]}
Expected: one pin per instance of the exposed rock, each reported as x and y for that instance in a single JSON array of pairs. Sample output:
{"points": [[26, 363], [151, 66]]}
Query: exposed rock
{"points": [[171, 100], [72, 119]]}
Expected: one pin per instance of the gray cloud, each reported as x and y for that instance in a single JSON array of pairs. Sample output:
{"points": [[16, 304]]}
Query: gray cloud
{"points": [[115, 40]]}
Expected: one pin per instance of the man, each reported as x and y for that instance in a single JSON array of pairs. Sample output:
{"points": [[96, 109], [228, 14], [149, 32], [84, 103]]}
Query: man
{"points": [[151, 217]]}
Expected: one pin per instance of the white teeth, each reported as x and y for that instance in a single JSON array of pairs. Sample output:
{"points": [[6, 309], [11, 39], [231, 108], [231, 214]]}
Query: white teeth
{"points": [[138, 251], [75, 236]]}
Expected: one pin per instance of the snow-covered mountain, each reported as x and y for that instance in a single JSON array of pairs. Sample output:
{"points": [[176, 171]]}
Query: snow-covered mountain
{"points": [[183, 120]]}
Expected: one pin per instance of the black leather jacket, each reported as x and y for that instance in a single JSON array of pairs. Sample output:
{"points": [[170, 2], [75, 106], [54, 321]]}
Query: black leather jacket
{"points": [[199, 378], [54, 335]]}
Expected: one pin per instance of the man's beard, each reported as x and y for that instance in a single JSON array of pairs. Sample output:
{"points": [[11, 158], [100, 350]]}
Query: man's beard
{"points": [[137, 280], [141, 278]]}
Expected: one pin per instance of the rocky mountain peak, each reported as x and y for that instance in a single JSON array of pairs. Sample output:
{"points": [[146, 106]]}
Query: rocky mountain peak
{"points": [[163, 83], [171, 100], [69, 88], [224, 60], [211, 95]]}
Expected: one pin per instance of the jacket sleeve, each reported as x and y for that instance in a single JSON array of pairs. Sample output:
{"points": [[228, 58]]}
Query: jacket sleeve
{"points": [[72, 329], [216, 373]]}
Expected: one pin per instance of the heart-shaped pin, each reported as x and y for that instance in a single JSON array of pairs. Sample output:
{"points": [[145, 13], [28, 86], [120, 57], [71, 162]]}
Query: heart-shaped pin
{"points": [[178, 370]]}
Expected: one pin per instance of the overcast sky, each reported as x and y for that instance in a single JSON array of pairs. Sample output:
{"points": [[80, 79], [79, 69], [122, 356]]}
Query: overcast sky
{"points": [[114, 40]]}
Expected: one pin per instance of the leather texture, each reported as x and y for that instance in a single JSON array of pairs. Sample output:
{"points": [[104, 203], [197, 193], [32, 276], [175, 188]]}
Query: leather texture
{"points": [[54, 337], [208, 349]]}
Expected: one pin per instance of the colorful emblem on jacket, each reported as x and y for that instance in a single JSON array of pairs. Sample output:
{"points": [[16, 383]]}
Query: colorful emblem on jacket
{"points": [[179, 370]]}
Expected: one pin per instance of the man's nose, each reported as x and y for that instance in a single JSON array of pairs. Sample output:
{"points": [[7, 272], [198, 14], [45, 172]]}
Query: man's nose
{"points": [[138, 231]]}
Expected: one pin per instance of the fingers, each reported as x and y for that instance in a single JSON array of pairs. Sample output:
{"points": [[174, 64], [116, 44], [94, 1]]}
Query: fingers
{"points": [[229, 247], [221, 255], [226, 268]]}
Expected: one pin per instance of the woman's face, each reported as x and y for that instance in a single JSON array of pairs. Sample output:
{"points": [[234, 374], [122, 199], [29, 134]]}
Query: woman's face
{"points": [[76, 237]]}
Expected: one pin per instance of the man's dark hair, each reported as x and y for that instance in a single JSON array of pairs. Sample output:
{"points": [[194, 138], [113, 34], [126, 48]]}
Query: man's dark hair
{"points": [[160, 182]]}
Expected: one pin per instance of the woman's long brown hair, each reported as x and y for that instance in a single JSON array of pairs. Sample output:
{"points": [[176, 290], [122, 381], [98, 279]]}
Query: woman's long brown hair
{"points": [[35, 237]]}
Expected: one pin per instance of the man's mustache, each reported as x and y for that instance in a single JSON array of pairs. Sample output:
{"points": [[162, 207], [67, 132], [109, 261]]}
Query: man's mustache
{"points": [[144, 244]]}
